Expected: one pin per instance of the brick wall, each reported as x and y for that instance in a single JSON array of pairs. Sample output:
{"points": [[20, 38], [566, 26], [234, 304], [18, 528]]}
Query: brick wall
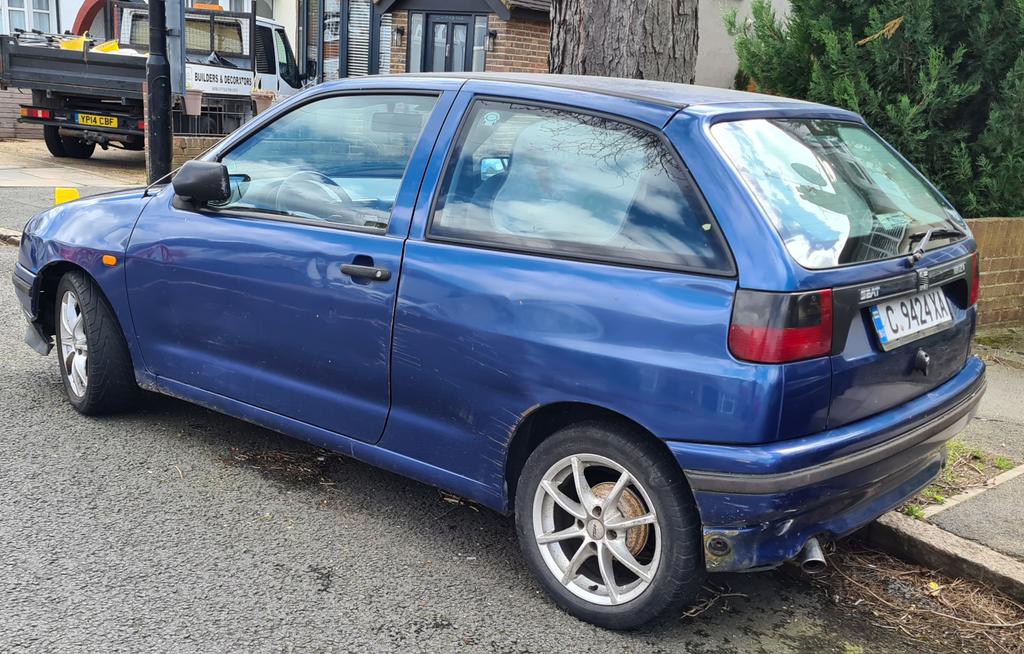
{"points": [[184, 148], [9, 126], [521, 45], [1001, 244], [399, 19]]}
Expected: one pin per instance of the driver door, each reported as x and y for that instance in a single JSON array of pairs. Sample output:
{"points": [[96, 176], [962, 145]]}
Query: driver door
{"points": [[283, 296]]}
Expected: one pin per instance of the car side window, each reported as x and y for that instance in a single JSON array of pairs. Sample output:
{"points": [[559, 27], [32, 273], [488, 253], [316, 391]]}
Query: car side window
{"points": [[549, 180], [338, 161]]}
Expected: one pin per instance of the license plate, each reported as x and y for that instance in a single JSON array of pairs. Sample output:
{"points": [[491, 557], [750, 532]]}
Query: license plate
{"points": [[910, 318], [96, 121]]}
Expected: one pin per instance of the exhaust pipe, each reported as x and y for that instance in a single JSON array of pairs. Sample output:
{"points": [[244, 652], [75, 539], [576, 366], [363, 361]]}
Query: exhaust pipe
{"points": [[812, 559]]}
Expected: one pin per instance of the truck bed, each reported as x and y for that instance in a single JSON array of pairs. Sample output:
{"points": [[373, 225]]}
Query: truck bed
{"points": [[72, 72]]}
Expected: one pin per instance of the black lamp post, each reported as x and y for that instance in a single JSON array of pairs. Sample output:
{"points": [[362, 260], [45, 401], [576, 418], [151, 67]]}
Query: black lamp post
{"points": [[158, 99]]}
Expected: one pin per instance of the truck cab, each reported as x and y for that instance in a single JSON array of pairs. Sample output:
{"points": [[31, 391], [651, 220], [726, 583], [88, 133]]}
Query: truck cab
{"points": [[87, 93], [276, 67]]}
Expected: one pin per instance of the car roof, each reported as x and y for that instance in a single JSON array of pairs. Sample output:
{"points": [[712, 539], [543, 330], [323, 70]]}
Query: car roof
{"points": [[670, 94]]}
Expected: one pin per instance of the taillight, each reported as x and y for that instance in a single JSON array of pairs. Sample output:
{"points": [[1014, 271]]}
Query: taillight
{"points": [[29, 112], [142, 125], [781, 327], [975, 280]]}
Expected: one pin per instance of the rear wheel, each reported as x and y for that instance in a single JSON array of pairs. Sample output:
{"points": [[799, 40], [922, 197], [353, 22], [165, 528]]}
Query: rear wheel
{"points": [[93, 356], [54, 143], [78, 148], [609, 527]]}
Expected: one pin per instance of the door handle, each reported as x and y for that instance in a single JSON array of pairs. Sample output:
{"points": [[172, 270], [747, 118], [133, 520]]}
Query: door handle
{"points": [[371, 273]]}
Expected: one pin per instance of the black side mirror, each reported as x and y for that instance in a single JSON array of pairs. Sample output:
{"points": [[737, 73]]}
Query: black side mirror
{"points": [[202, 182]]}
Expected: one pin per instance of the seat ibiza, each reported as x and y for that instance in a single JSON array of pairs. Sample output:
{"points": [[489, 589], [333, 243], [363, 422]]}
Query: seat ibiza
{"points": [[670, 329]]}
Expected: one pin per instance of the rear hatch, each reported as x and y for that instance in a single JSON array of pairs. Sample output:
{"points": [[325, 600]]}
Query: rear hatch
{"points": [[841, 198], [898, 338]]}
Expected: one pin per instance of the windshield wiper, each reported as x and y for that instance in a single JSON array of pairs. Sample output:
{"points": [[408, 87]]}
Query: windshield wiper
{"points": [[925, 237]]}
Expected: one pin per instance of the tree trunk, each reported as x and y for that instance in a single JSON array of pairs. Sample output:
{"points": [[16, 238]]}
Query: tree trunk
{"points": [[642, 39]]}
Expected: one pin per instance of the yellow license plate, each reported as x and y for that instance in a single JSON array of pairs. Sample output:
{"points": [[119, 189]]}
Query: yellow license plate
{"points": [[96, 121]]}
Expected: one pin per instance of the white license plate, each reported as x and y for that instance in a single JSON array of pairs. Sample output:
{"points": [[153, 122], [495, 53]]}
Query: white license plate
{"points": [[910, 318]]}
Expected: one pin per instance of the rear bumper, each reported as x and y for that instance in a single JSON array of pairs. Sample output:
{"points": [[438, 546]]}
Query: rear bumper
{"points": [[127, 123], [764, 502]]}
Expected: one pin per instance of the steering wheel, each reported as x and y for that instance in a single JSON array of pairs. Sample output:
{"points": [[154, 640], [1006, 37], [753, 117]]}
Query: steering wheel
{"points": [[316, 180]]}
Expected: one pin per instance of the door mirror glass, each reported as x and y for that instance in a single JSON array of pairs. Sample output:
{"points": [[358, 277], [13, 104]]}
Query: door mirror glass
{"points": [[202, 182], [239, 183], [491, 167]]}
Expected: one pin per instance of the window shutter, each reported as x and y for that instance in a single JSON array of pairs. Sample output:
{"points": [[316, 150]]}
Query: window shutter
{"points": [[358, 37], [384, 62]]}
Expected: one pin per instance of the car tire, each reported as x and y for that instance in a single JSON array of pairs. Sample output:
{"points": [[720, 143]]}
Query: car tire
{"points": [[54, 143], [77, 148], [666, 551], [91, 346]]}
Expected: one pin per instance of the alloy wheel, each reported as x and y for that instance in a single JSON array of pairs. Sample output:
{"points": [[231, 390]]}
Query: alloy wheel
{"points": [[73, 345], [597, 529]]}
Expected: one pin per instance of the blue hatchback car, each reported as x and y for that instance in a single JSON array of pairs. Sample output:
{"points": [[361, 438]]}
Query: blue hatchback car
{"points": [[671, 329]]}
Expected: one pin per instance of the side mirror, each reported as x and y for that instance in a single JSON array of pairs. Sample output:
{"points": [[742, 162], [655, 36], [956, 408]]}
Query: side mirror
{"points": [[202, 182], [491, 167]]}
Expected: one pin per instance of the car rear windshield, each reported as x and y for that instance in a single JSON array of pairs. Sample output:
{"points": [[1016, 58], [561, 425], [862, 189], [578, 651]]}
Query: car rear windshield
{"points": [[835, 191]]}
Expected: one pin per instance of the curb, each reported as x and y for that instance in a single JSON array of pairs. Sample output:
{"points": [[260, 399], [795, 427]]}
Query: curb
{"points": [[950, 502], [924, 543], [10, 237]]}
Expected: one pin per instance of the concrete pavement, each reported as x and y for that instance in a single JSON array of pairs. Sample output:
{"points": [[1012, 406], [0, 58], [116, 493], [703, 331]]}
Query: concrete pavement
{"points": [[27, 164], [999, 426], [995, 518]]}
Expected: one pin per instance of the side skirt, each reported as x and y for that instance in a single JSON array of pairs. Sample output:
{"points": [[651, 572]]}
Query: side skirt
{"points": [[365, 452]]}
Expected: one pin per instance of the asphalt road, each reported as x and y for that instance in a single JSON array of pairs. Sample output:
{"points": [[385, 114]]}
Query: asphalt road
{"points": [[18, 204], [175, 528]]}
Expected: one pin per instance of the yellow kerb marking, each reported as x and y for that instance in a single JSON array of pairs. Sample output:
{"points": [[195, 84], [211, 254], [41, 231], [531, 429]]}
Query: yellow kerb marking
{"points": [[64, 194]]}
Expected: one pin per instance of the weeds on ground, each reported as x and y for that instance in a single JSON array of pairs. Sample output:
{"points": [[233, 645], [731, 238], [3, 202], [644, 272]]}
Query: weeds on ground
{"points": [[921, 605], [293, 467], [1003, 463], [914, 511], [966, 467], [1001, 346]]}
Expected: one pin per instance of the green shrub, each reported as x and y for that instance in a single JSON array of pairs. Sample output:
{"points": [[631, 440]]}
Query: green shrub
{"points": [[943, 82]]}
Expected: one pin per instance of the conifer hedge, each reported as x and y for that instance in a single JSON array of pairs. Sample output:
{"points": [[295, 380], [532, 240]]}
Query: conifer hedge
{"points": [[942, 81]]}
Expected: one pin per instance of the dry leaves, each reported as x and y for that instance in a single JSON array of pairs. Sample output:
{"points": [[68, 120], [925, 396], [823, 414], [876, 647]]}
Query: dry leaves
{"points": [[922, 605]]}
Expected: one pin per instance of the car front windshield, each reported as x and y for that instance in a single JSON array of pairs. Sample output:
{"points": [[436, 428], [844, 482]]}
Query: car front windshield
{"points": [[836, 193]]}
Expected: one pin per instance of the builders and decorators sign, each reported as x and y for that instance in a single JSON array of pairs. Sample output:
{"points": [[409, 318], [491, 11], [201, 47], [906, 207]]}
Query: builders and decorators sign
{"points": [[217, 58], [217, 80]]}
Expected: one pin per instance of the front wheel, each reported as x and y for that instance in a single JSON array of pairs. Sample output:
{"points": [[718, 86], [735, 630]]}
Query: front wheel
{"points": [[93, 356], [609, 527]]}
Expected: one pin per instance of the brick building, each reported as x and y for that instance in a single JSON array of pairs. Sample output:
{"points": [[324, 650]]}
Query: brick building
{"points": [[345, 38], [515, 40]]}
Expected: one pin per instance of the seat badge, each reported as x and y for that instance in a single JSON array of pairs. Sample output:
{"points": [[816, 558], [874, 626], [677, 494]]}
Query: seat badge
{"points": [[870, 293]]}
